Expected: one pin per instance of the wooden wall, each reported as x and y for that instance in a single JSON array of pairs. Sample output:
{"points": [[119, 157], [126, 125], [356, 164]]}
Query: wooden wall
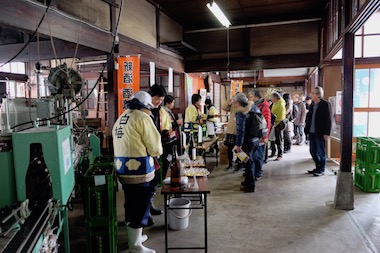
{"points": [[332, 80], [96, 12], [139, 21], [169, 30], [274, 40]]}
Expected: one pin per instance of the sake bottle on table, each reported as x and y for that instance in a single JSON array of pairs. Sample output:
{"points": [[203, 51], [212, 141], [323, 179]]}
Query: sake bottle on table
{"points": [[192, 147], [175, 173]]}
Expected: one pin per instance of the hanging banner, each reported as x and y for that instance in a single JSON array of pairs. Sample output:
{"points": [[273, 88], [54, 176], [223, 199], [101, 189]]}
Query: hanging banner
{"points": [[236, 86], [128, 79], [170, 80], [152, 74]]}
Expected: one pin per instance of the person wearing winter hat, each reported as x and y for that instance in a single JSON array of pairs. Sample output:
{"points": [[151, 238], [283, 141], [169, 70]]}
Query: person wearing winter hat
{"points": [[136, 141]]}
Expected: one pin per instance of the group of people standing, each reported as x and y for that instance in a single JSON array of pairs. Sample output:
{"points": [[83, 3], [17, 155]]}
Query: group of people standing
{"points": [[144, 137], [238, 138], [289, 119], [147, 131]]}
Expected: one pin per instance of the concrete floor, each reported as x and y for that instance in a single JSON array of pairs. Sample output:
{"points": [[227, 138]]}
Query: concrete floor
{"points": [[291, 211]]}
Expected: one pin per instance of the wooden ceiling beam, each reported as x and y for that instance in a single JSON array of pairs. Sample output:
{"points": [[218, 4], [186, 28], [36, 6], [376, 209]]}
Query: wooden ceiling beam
{"points": [[272, 79], [30, 53], [21, 15], [259, 62], [13, 77]]}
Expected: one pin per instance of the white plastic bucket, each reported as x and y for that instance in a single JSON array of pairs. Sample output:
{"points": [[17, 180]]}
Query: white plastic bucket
{"points": [[179, 218]]}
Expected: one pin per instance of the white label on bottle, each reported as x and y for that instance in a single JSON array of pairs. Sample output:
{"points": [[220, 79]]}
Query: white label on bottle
{"points": [[193, 153]]}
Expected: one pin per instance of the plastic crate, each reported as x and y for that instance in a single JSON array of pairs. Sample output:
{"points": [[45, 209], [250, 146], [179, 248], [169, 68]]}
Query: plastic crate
{"points": [[368, 152], [367, 140], [367, 179], [100, 194], [102, 239], [103, 159]]}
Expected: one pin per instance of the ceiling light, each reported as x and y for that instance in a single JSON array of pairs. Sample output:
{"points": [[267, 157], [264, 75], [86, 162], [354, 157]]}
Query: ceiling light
{"points": [[214, 8]]}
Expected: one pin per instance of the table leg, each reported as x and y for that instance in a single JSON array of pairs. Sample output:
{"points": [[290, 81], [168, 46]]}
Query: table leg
{"points": [[205, 214], [166, 222]]}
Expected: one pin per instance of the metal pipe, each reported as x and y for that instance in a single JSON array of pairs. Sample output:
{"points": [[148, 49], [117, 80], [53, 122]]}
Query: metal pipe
{"points": [[255, 25], [6, 105], [38, 71]]}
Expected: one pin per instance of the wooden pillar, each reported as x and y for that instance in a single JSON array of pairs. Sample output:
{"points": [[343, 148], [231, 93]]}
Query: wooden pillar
{"points": [[344, 194], [348, 102], [112, 85]]}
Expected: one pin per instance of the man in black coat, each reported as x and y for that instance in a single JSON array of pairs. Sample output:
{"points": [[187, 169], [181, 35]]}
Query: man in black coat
{"points": [[318, 127]]}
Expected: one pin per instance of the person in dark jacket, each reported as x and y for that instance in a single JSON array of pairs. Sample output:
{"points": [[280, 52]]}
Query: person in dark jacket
{"points": [[245, 142], [262, 150], [318, 127]]}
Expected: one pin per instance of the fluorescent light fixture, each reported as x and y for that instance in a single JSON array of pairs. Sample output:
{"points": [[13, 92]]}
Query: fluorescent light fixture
{"points": [[214, 8]]}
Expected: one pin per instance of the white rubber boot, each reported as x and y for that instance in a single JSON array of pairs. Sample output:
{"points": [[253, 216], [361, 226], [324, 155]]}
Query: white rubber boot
{"points": [[135, 242], [144, 238]]}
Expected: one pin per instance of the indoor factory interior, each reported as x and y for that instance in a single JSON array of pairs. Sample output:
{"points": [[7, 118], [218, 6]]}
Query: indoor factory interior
{"points": [[69, 69]]}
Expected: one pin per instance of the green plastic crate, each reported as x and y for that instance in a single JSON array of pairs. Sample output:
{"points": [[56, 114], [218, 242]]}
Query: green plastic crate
{"points": [[102, 239], [367, 179], [368, 151], [103, 159], [100, 194]]}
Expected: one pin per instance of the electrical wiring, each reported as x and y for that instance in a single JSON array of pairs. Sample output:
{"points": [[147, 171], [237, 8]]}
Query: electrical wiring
{"points": [[97, 81], [30, 39]]}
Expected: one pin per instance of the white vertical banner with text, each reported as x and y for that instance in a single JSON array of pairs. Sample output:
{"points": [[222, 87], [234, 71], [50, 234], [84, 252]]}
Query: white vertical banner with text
{"points": [[152, 71], [170, 80]]}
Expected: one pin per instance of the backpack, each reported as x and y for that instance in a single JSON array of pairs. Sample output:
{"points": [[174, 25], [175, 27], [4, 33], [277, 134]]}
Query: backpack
{"points": [[256, 125]]}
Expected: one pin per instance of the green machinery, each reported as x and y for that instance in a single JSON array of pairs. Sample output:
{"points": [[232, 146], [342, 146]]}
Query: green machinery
{"points": [[7, 179], [57, 152], [44, 176], [38, 165]]}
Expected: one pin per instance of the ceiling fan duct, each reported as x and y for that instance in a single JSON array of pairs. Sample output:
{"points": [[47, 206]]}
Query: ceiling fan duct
{"points": [[65, 81]]}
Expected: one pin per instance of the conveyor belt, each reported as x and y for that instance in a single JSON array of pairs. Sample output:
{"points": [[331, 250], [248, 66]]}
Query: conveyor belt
{"points": [[26, 238]]}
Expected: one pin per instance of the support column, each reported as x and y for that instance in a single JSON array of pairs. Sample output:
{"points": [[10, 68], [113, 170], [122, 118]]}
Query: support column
{"points": [[344, 196]]}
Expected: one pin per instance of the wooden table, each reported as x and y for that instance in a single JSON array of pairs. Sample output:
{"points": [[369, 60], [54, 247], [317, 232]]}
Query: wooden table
{"points": [[198, 199]]}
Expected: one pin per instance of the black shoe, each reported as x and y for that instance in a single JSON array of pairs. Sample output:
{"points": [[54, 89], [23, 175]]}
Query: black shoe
{"points": [[229, 167], [257, 178], [247, 189], [318, 174], [155, 211], [272, 155], [238, 167], [311, 171]]}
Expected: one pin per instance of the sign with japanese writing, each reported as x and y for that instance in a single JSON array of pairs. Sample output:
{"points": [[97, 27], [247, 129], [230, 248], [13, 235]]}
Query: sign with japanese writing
{"points": [[128, 79], [236, 86]]}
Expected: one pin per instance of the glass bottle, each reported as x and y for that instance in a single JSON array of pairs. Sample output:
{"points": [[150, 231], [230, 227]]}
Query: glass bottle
{"points": [[192, 147], [175, 173]]}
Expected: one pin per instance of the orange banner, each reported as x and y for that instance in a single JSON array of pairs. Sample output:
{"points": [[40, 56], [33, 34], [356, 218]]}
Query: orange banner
{"points": [[128, 79], [236, 86]]}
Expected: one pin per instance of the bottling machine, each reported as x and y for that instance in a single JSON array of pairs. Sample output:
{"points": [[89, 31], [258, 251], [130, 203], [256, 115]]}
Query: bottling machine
{"points": [[38, 161]]}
